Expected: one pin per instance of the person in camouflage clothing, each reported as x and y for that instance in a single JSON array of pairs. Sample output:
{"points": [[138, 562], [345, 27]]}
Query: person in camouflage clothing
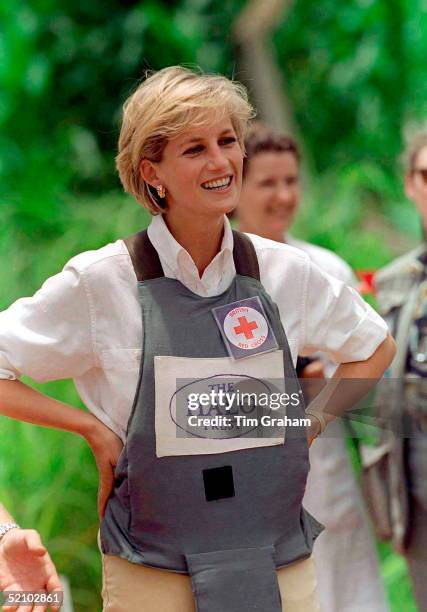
{"points": [[402, 297]]}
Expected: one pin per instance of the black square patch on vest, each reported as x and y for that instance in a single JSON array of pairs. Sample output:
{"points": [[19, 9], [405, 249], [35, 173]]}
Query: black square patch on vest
{"points": [[218, 482]]}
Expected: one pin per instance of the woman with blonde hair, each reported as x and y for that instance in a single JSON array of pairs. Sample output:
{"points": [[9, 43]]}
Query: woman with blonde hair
{"points": [[178, 501]]}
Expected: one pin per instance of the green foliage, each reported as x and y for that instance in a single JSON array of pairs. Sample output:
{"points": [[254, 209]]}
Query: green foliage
{"points": [[395, 576], [49, 482], [363, 60], [343, 211], [70, 68], [353, 73]]}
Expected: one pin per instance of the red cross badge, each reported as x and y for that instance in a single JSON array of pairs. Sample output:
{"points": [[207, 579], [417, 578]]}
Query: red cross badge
{"points": [[245, 328]]}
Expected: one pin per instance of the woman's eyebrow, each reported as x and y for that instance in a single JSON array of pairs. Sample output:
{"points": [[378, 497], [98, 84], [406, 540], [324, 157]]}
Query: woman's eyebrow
{"points": [[197, 139], [192, 140], [189, 142]]}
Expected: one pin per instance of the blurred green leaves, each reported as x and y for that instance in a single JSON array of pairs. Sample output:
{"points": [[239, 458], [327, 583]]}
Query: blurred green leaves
{"points": [[354, 73], [66, 70]]}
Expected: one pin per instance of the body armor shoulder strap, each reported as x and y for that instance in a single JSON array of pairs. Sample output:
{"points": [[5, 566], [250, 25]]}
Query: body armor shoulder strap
{"points": [[144, 257], [147, 266], [245, 257]]}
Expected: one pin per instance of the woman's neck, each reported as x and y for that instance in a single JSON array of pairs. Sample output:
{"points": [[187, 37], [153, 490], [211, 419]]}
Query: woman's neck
{"points": [[200, 237], [249, 228]]}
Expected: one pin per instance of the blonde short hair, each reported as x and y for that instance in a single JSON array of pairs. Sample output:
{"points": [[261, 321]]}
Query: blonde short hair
{"points": [[165, 104]]}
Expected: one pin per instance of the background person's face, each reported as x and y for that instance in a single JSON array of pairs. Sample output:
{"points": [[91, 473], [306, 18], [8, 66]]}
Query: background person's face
{"points": [[416, 186], [270, 194], [201, 170]]}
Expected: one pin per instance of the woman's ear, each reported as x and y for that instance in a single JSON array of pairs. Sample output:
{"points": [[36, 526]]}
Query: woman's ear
{"points": [[148, 172]]}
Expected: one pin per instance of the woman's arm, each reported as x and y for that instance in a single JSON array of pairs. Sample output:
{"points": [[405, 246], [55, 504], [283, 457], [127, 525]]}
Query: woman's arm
{"points": [[373, 367], [19, 401], [338, 396]]}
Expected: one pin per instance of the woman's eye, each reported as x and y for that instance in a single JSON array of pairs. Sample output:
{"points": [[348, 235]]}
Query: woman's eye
{"points": [[267, 183], [193, 150], [228, 140]]}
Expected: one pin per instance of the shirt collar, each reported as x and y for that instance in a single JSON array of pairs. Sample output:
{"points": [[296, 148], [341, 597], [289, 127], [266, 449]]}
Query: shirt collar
{"points": [[174, 257], [164, 243]]}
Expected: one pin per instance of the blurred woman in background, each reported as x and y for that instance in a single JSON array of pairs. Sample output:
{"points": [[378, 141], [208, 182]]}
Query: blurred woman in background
{"points": [[270, 199]]}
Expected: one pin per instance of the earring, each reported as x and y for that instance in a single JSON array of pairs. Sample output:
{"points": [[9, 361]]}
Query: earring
{"points": [[161, 191]]}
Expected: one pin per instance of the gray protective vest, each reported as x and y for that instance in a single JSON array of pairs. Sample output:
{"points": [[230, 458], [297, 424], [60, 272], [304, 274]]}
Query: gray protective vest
{"points": [[158, 514]]}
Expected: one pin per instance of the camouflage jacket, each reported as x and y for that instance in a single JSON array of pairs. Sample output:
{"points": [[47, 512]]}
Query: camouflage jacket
{"points": [[402, 299]]}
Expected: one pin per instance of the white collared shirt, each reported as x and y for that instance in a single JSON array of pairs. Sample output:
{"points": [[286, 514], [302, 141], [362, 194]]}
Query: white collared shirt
{"points": [[177, 263], [327, 260], [85, 322], [335, 266]]}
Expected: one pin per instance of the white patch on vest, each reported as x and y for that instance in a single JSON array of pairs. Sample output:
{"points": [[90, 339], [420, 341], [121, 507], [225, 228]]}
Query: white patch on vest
{"points": [[169, 370]]}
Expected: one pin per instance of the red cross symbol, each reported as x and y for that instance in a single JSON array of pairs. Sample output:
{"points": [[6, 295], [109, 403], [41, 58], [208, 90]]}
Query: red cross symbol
{"points": [[245, 328]]}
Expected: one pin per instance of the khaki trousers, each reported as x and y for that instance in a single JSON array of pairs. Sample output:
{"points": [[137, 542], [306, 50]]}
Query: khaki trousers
{"points": [[129, 586]]}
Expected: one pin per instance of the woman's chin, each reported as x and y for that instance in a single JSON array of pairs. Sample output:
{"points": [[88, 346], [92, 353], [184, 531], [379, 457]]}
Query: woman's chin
{"points": [[276, 229], [223, 206]]}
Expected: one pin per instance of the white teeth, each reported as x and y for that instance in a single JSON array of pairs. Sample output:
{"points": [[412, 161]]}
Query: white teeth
{"points": [[218, 184]]}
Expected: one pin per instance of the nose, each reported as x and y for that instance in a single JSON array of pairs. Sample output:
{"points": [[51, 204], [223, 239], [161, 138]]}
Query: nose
{"points": [[217, 160], [285, 194]]}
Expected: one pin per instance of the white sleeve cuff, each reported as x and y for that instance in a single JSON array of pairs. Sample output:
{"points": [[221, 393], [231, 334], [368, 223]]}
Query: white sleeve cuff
{"points": [[7, 375], [364, 340]]}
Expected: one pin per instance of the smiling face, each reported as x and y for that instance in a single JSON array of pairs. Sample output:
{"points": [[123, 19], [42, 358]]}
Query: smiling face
{"points": [[416, 184], [270, 194], [201, 170]]}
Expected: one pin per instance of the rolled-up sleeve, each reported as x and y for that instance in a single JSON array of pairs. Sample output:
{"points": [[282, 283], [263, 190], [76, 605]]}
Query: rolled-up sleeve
{"points": [[48, 336], [338, 321]]}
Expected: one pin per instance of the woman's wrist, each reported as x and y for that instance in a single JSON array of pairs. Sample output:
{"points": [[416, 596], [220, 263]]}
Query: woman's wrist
{"points": [[319, 418], [313, 431], [98, 435], [5, 530], [91, 428]]}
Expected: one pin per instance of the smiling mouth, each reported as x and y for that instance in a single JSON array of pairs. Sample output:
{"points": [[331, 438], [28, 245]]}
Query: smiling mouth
{"points": [[282, 212], [218, 184]]}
